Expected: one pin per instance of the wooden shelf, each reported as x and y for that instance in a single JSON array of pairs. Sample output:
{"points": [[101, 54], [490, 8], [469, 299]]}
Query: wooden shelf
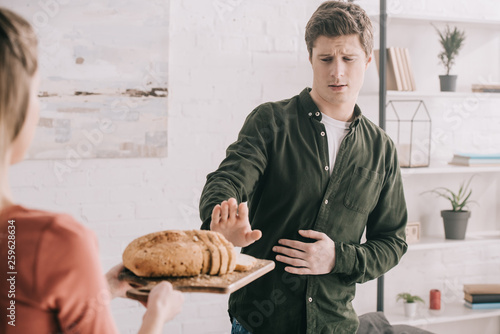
{"points": [[451, 312], [444, 168], [430, 243]]}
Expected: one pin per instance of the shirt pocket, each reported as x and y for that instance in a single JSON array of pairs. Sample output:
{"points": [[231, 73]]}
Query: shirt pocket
{"points": [[363, 191]]}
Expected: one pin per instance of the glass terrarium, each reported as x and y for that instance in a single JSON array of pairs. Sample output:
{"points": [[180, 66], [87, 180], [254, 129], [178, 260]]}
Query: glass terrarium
{"points": [[408, 123]]}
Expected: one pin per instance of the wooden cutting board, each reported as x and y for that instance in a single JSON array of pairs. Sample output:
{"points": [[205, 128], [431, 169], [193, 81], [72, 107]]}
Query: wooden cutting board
{"points": [[203, 283]]}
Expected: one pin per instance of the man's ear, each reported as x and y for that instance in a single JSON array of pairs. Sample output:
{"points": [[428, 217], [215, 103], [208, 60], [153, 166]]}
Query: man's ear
{"points": [[310, 59], [369, 61]]}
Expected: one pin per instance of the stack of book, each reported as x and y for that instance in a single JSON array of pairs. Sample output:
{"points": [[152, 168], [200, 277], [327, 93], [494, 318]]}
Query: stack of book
{"points": [[471, 159], [486, 88], [399, 73], [482, 296]]}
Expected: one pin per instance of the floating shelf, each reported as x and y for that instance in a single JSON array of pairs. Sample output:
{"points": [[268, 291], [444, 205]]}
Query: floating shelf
{"points": [[422, 94], [429, 243], [447, 95], [428, 19], [451, 312], [444, 168]]}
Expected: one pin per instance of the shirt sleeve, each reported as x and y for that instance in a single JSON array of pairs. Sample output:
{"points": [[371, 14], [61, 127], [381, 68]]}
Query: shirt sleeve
{"points": [[245, 163], [70, 279], [385, 233]]}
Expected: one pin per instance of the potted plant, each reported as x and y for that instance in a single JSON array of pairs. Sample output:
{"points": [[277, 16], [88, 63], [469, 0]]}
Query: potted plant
{"points": [[451, 41], [455, 220], [410, 303]]}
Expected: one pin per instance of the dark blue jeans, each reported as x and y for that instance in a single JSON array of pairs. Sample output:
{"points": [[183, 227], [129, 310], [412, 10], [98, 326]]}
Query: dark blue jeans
{"points": [[238, 328]]}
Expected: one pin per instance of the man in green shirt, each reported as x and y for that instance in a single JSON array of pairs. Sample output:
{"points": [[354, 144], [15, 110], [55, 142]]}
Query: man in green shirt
{"points": [[315, 173]]}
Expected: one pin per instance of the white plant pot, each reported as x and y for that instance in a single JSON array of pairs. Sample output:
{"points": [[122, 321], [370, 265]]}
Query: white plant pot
{"points": [[410, 309]]}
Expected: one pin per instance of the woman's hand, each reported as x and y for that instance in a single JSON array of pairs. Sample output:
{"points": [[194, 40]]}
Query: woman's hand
{"points": [[164, 303], [117, 288]]}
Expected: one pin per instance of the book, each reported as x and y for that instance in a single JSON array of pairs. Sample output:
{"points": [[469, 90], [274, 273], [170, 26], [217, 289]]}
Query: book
{"points": [[476, 160], [474, 163], [486, 88], [482, 289], [408, 64], [478, 155], [401, 69], [394, 63], [406, 68], [390, 82], [483, 298], [482, 306], [399, 75]]}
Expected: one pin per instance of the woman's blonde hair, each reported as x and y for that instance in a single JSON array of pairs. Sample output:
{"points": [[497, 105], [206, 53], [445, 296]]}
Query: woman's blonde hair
{"points": [[18, 64]]}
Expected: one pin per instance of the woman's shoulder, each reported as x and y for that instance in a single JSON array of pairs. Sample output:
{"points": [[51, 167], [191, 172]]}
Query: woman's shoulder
{"points": [[62, 224]]}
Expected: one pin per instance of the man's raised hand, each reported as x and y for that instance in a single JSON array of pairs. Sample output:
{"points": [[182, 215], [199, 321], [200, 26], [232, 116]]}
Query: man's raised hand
{"points": [[231, 220]]}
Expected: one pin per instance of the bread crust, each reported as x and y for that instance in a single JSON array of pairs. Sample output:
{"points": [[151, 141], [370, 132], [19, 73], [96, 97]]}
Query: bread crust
{"points": [[224, 258], [231, 252], [214, 265], [166, 253], [207, 256], [176, 253]]}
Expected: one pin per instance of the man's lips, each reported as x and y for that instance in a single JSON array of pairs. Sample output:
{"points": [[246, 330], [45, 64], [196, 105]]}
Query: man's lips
{"points": [[337, 87]]}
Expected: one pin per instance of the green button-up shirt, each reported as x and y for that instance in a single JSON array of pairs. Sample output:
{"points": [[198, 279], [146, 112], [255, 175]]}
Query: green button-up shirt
{"points": [[279, 164]]}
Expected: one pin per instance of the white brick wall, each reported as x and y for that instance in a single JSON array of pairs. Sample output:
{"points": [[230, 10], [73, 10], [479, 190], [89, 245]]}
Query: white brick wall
{"points": [[225, 57]]}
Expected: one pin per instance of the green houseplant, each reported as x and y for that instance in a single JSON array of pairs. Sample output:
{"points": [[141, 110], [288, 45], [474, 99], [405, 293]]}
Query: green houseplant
{"points": [[455, 220], [451, 42], [410, 303]]}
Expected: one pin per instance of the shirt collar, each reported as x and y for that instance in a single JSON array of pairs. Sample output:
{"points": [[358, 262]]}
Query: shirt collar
{"points": [[312, 110]]}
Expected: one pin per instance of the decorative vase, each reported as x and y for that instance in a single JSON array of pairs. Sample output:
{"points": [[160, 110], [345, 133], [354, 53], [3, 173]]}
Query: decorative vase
{"points": [[455, 223], [410, 309], [448, 83]]}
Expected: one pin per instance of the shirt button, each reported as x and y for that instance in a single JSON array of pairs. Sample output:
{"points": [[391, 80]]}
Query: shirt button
{"points": [[326, 168], [323, 133], [310, 300], [326, 201], [317, 113], [310, 114]]}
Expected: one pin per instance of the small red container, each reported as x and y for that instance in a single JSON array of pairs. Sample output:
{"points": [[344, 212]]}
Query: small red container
{"points": [[435, 299]]}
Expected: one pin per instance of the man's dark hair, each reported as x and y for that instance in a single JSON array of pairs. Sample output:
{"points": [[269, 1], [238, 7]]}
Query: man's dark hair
{"points": [[338, 18]]}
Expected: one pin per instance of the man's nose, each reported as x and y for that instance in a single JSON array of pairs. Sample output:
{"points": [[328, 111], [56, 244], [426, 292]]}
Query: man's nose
{"points": [[337, 69]]}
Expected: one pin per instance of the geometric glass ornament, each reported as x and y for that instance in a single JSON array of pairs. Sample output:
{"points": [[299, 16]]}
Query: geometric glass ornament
{"points": [[408, 123]]}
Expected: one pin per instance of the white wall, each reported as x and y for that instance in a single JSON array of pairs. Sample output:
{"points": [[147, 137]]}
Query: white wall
{"points": [[225, 58]]}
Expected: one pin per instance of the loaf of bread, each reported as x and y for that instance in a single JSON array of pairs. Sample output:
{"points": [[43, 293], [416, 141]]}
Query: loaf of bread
{"points": [[176, 253]]}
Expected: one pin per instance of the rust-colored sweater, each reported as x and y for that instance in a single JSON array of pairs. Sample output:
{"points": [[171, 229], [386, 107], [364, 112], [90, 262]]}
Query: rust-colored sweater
{"points": [[55, 284]]}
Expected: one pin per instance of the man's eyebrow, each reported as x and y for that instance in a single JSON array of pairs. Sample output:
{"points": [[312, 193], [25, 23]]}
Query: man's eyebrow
{"points": [[351, 54]]}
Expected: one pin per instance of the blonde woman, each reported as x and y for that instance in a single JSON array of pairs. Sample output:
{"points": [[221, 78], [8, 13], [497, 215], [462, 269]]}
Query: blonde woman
{"points": [[50, 275]]}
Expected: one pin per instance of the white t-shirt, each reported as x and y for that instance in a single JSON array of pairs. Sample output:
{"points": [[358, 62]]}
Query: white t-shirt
{"points": [[335, 133]]}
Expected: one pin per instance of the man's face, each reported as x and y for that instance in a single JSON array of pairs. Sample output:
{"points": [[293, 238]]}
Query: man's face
{"points": [[339, 65]]}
